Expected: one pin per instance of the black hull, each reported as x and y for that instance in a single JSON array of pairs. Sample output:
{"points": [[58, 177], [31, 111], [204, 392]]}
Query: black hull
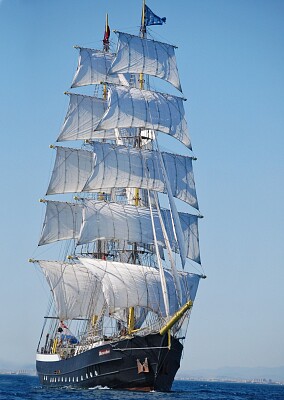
{"points": [[118, 365]]}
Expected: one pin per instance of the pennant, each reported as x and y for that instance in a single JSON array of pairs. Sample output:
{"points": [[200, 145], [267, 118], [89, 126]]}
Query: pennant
{"points": [[106, 35], [152, 19]]}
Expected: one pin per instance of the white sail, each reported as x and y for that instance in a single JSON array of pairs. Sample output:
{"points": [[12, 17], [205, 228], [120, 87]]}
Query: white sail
{"points": [[174, 212], [180, 175], [140, 55], [77, 292], [112, 221], [131, 285], [120, 166], [92, 68], [94, 220], [71, 170], [145, 109], [62, 221], [189, 226], [83, 115]]}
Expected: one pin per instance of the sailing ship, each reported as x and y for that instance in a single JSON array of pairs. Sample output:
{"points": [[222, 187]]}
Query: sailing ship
{"points": [[122, 292]]}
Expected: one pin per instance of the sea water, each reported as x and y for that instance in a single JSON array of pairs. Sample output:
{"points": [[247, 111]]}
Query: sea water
{"points": [[24, 387]]}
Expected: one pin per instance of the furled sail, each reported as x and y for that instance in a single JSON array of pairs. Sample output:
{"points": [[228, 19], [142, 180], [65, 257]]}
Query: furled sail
{"points": [[140, 55], [131, 107], [77, 292], [92, 68], [62, 221], [82, 118], [128, 285], [120, 166]]}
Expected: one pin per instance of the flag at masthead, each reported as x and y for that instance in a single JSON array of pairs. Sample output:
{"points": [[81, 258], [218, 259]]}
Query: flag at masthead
{"points": [[149, 18], [153, 19]]}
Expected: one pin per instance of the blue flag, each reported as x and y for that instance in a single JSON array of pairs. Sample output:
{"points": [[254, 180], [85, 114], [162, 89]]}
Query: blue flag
{"points": [[152, 19]]}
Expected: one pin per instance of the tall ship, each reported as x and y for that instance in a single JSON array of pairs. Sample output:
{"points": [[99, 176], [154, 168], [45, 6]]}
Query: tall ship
{"points": [[123, 286]]}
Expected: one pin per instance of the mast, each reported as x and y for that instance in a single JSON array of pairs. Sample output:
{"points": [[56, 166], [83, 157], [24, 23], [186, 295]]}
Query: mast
{"points": [[141, 86], [106, 35], [143, 26], [161, 270], [106, 49], [177, 226], [101, 253], [142, 35]]}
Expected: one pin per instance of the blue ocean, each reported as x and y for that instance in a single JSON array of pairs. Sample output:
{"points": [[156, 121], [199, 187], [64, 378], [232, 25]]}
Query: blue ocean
{"points": [[24, 387]]}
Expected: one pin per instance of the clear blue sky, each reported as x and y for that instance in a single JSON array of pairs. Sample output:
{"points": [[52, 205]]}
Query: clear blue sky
{"points": [[230, 57]]}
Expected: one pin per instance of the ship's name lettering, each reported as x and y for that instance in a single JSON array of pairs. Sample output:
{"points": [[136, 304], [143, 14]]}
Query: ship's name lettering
{"points": [[104, 352]]}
